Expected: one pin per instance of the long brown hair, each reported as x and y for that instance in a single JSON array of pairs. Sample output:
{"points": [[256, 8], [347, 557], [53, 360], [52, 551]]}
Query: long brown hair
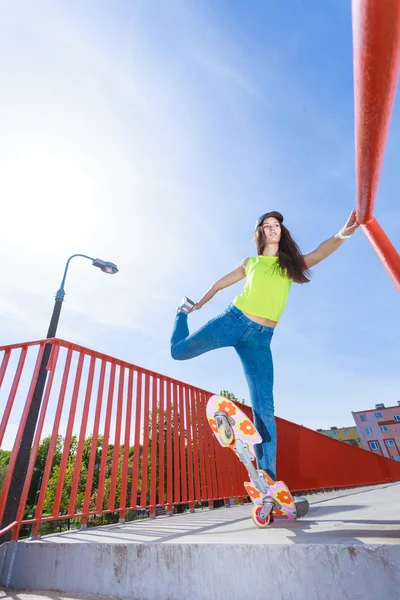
{"points": [[290, 258]]}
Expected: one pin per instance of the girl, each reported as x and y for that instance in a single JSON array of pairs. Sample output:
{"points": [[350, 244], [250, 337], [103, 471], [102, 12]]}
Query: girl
{"points": [[248, 324]]}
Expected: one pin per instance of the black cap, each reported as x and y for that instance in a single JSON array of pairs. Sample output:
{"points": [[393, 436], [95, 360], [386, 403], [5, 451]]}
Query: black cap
{"points": [[273, 213]]}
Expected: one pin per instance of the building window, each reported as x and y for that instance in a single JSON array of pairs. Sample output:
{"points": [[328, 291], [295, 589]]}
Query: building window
{"points": [[368, 431], [378, 415], [397, 418], [374, 445], [359, 440], [384, 428], [346, 432], [335, 433], [355, 430], [363, 418], [389, 443]]}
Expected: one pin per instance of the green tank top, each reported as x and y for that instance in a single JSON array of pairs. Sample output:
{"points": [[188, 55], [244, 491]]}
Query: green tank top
{"points": [[266, 291]]}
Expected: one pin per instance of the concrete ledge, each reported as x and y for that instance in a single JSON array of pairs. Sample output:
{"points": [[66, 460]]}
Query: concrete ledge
{"points": [[347, 547], [199, 572]]}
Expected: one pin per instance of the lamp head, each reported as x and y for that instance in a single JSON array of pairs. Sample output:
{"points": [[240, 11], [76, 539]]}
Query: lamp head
{"points": [[107, 267]]}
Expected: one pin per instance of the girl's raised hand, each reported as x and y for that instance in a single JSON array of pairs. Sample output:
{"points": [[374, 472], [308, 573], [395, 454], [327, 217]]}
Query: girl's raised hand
{"points": [[351, 224]]}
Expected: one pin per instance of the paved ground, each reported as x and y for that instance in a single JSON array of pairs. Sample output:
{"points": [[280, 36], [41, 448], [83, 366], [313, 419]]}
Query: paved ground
{"points": [[364, 523], [24, 595], [359, 516]]}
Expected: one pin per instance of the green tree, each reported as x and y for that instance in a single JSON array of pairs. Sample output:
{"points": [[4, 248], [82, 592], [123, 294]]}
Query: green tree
{"points": [[66, 492], [232, 397], [4, 459], [43, 451], [40, 464]]}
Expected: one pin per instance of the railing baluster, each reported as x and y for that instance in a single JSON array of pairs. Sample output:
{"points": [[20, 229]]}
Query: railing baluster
{"points": [[93, 449], [125, 459]]}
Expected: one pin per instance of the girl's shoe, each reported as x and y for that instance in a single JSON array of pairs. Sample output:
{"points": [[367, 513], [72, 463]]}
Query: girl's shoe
{"points": [[186, 305]]}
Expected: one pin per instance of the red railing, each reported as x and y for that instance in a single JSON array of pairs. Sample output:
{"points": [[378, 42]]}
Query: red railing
{"points": [[376, 50], [135, 439], [149, 441]]}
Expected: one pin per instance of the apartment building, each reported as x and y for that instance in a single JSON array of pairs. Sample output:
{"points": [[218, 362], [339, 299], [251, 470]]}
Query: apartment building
{"points": [[379, 429], [349, 435]]}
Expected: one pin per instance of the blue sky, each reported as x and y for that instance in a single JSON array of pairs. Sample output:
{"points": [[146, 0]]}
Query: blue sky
{"points": [[153, 134]]}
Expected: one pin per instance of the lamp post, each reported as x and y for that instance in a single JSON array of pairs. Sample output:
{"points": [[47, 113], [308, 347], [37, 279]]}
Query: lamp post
{"points": [[21, 464]]}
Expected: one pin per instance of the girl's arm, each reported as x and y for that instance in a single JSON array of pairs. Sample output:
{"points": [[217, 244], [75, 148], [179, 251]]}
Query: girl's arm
{"points": [[333, 243], [229, 279]]}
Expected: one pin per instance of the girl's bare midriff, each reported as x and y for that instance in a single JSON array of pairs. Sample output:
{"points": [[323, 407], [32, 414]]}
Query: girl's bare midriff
{"points": [[261, 320]]}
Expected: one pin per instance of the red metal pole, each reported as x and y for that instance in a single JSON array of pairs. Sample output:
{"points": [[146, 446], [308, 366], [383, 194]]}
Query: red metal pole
{"points": [[177, 489], [106, 436], [376, 47], [13, 391], [195, 437], [154, 440], [81, 441], [93, 449], [182, 439], [145, 452], [161, 499], [169, 450], [136, 447], [189, 447], [201, 445], [384, 249], [125, 460], [117, 438], [68, 436], [4, 363], [53, 444]]}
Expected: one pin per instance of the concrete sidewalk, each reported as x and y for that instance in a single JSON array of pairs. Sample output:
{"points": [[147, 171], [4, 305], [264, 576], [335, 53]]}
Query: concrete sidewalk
{"points": [[348, 546], [26, 595], [358, 516]]}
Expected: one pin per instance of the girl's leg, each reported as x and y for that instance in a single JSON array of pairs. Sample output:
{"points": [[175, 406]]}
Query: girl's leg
{"points": [[255, 355], [180, 330], [220, 332]]}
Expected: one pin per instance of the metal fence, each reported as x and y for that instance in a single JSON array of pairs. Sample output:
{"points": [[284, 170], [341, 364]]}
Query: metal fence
{"points": [[112, 438]]}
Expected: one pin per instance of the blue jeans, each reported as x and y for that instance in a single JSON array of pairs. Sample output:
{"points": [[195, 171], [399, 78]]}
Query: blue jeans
{"points": [[252, 343]]}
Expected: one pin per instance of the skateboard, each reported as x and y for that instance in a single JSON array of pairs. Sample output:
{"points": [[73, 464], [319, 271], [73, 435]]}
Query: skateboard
{"points": [[233, 429]]}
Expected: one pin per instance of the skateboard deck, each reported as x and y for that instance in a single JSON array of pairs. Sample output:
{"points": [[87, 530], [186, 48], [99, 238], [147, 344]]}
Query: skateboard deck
{"points": [[245, 431]]}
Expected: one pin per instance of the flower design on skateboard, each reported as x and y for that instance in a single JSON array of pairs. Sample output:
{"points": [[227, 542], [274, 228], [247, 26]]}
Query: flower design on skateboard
{"points": [[284, 497], [228, 407], [247, 428], [252, 492]]}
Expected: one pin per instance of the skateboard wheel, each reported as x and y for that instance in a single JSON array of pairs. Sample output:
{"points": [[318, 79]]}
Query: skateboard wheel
{"points": [[302, 507], [257, 519], [225, 438]]}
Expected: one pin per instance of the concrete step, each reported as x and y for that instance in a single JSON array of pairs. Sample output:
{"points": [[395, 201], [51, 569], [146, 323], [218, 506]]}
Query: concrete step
{"points": [[43, 595], [348, 546]]}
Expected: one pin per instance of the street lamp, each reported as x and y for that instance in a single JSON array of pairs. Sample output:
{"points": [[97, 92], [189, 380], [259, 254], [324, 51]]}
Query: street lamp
{"points": [[107, 267], [21, 464]]}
